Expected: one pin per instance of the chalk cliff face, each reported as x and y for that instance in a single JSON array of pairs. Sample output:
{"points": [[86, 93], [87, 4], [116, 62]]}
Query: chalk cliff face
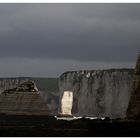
{"points": [[134, 105], [98, 92]]}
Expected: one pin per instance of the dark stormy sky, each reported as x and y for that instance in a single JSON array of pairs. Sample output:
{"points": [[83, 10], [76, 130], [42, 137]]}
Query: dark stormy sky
{"points": [[48, 39]]}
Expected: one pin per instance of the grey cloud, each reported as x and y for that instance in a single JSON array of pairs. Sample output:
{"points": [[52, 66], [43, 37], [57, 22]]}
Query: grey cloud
{"points": [[36, 67], [80, 32]]}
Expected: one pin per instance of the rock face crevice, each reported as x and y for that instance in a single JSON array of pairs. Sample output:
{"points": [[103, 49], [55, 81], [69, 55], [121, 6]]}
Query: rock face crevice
{"points": [[133, 111], [98, 93]]}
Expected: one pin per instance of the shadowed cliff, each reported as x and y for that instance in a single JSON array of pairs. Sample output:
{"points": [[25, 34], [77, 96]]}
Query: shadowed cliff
{"points": [[133, 111]]}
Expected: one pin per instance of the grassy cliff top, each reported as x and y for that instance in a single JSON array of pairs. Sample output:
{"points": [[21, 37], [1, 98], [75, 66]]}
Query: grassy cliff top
{"points": [[47, 84]]}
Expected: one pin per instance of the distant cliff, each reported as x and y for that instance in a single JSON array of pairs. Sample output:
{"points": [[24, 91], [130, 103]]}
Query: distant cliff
{"points": [[15, 101], [24, 99], [98, 92], [9, 83]]}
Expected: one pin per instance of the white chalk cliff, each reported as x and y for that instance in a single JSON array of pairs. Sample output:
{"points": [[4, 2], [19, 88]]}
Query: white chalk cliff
{"points": [[98, 93]]}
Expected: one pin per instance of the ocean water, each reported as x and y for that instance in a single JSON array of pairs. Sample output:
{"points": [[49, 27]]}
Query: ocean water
{"points": [[75, 118]]}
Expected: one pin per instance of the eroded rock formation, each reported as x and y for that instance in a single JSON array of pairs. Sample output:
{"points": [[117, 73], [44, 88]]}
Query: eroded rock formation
{"points": [[98, 93], [11, 83], [24, 99], [11, 87], [133, 111], [28, 86], [28, 103]]}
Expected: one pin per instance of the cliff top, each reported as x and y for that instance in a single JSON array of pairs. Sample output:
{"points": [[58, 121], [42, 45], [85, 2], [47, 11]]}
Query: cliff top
{"points": [[131, 71]]}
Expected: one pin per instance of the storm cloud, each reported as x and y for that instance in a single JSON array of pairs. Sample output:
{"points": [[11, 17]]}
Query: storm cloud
{"points": [[82, 35]]}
